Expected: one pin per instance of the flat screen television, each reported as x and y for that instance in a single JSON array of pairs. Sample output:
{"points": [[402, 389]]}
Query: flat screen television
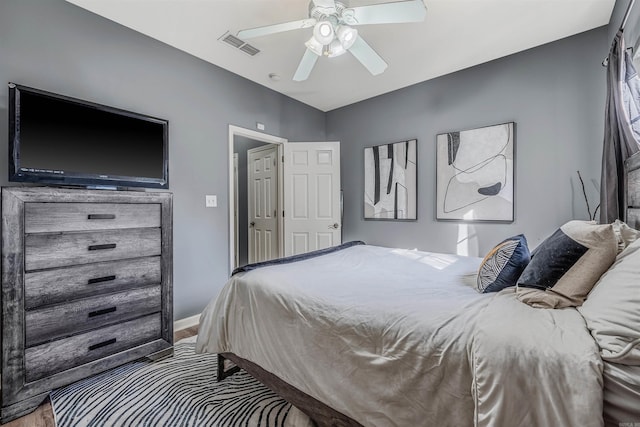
{"points": [[55, 139]]}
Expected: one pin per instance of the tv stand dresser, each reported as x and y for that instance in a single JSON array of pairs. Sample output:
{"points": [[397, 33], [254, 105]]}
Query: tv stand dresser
{"points": [[86, 286]]}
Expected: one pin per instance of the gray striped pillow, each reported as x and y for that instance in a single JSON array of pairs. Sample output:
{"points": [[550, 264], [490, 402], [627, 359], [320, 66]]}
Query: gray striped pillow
{"points": [[502, 266]]}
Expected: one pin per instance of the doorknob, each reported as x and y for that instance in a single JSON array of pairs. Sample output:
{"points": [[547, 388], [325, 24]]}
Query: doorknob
{"points": [[252, 223], [335, 226]]}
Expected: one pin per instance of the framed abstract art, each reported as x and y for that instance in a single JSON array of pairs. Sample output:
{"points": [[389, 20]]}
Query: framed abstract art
{"points": [[390, 181], [475, 174]]}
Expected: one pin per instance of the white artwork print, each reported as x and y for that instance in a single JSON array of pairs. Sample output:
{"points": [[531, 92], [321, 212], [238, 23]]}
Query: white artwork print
{"points": [[391, 181], [475, 174]]}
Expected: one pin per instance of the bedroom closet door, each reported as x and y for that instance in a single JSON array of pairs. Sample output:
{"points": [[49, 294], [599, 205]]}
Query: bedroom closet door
{"points": [[263, 203], [312, 217]]}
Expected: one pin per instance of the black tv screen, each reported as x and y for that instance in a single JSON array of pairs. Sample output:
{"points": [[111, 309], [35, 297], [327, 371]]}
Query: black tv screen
{"points": [[56, 139]]}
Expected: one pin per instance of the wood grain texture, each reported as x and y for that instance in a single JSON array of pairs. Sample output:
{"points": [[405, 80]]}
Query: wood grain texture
{"points": [[633, 162], [632, 191], [12, 297], [43, 415], [61, 320], [185, 333], [65, 249], [59, 254], [167, 268], [68, 195], [68, 283], [30, 389], [633, 218], [322, 414], [57, 356], [633, 188], [54, 217], [22, 407]]}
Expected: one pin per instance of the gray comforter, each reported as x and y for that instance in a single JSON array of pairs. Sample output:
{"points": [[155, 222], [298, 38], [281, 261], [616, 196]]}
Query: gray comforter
{"points": [[393, 337]]}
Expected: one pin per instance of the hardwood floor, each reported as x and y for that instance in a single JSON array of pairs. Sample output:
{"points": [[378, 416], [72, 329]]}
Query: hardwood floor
{"points": [[43, 416], [185, 333]]}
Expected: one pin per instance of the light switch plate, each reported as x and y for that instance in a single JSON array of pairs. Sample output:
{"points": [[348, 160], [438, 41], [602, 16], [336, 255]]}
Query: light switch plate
{"points": [[211, 201]]}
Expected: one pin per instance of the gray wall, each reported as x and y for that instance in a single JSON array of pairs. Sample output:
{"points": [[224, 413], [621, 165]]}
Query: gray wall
{"points": [[58, 47], [555, 93]]}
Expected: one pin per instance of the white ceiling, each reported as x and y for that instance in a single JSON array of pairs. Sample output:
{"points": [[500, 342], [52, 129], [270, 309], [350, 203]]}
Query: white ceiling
{"points": [[456, 34]]}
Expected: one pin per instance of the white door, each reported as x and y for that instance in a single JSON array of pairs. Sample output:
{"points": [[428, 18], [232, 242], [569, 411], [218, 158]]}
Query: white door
{"points": [[263, 203], [311, 196]]}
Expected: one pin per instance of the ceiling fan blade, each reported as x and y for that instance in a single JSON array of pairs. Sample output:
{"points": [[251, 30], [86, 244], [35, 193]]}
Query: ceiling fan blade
{"points": [[324, 3], [368, 57], [306, 65], [388, 13], [276, 28]]}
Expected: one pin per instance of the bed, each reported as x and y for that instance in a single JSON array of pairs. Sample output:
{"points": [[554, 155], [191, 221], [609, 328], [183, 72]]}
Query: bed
{"points": [[373, 336]]}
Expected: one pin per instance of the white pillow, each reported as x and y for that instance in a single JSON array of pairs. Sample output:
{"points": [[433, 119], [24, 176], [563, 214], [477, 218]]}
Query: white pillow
{"points": [[625, 234], [612, 309]]}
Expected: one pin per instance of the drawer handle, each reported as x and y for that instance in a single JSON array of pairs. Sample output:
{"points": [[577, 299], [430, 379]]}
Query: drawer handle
{"points": [[101, 279], [101, 247], [102, 344], [101, 216], [101, 312]]}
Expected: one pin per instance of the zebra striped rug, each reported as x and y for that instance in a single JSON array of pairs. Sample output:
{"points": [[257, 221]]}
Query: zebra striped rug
{"points": [[179, 391]]}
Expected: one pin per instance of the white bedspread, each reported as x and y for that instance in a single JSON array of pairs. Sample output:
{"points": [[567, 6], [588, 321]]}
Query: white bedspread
{"points": [[393, 337]]}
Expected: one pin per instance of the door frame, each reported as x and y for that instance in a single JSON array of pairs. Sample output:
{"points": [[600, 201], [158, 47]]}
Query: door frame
{"points": [[234, 213], [266, 138]]}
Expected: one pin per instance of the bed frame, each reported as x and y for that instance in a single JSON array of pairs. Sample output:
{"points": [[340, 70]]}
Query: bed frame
{"points": [[321, 414], [325, 416]]}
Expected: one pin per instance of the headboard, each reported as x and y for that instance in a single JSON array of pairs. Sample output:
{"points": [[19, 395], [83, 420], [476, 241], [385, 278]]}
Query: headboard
{"points": [[632, 180]]}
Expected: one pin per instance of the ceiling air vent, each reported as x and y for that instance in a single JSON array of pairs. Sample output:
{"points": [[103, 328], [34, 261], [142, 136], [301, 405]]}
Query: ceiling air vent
{"points": [[232, 40], [248, 49]]}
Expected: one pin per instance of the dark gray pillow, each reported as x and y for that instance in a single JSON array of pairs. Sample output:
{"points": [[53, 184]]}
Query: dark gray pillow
{"points": [[564, 268]]}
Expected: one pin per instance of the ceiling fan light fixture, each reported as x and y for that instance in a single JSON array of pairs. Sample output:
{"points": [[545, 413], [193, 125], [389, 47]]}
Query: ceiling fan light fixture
{"points": [[347, 36], [314, 46], [336, 49], [323, 32]]}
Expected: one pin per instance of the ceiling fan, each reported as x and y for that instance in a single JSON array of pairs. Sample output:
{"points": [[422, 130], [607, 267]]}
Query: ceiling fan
{"points": [[333, 32]]}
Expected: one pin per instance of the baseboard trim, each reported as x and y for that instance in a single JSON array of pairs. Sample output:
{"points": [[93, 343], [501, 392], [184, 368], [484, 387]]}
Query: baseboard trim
{"points": [[185, 323]]}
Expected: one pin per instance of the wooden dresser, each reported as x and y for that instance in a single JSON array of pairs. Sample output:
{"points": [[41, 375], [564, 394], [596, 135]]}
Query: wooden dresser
{"points": [[86, 286], [632, 195]]}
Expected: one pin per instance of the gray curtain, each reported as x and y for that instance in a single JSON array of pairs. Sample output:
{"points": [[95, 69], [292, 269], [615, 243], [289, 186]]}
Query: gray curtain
{"points": [[621, 128]]}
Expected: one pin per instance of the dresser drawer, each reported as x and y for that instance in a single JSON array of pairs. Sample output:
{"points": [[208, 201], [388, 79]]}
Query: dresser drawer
{"points": [[64, 249], [633, 188], [633, 218], [52, 217], [57, 356], [69, 283], [46, 324]]}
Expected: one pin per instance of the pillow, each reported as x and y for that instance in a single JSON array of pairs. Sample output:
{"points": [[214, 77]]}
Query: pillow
{"points": [[625, 234], [564, 268], [612, 311], [503, 264]]}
